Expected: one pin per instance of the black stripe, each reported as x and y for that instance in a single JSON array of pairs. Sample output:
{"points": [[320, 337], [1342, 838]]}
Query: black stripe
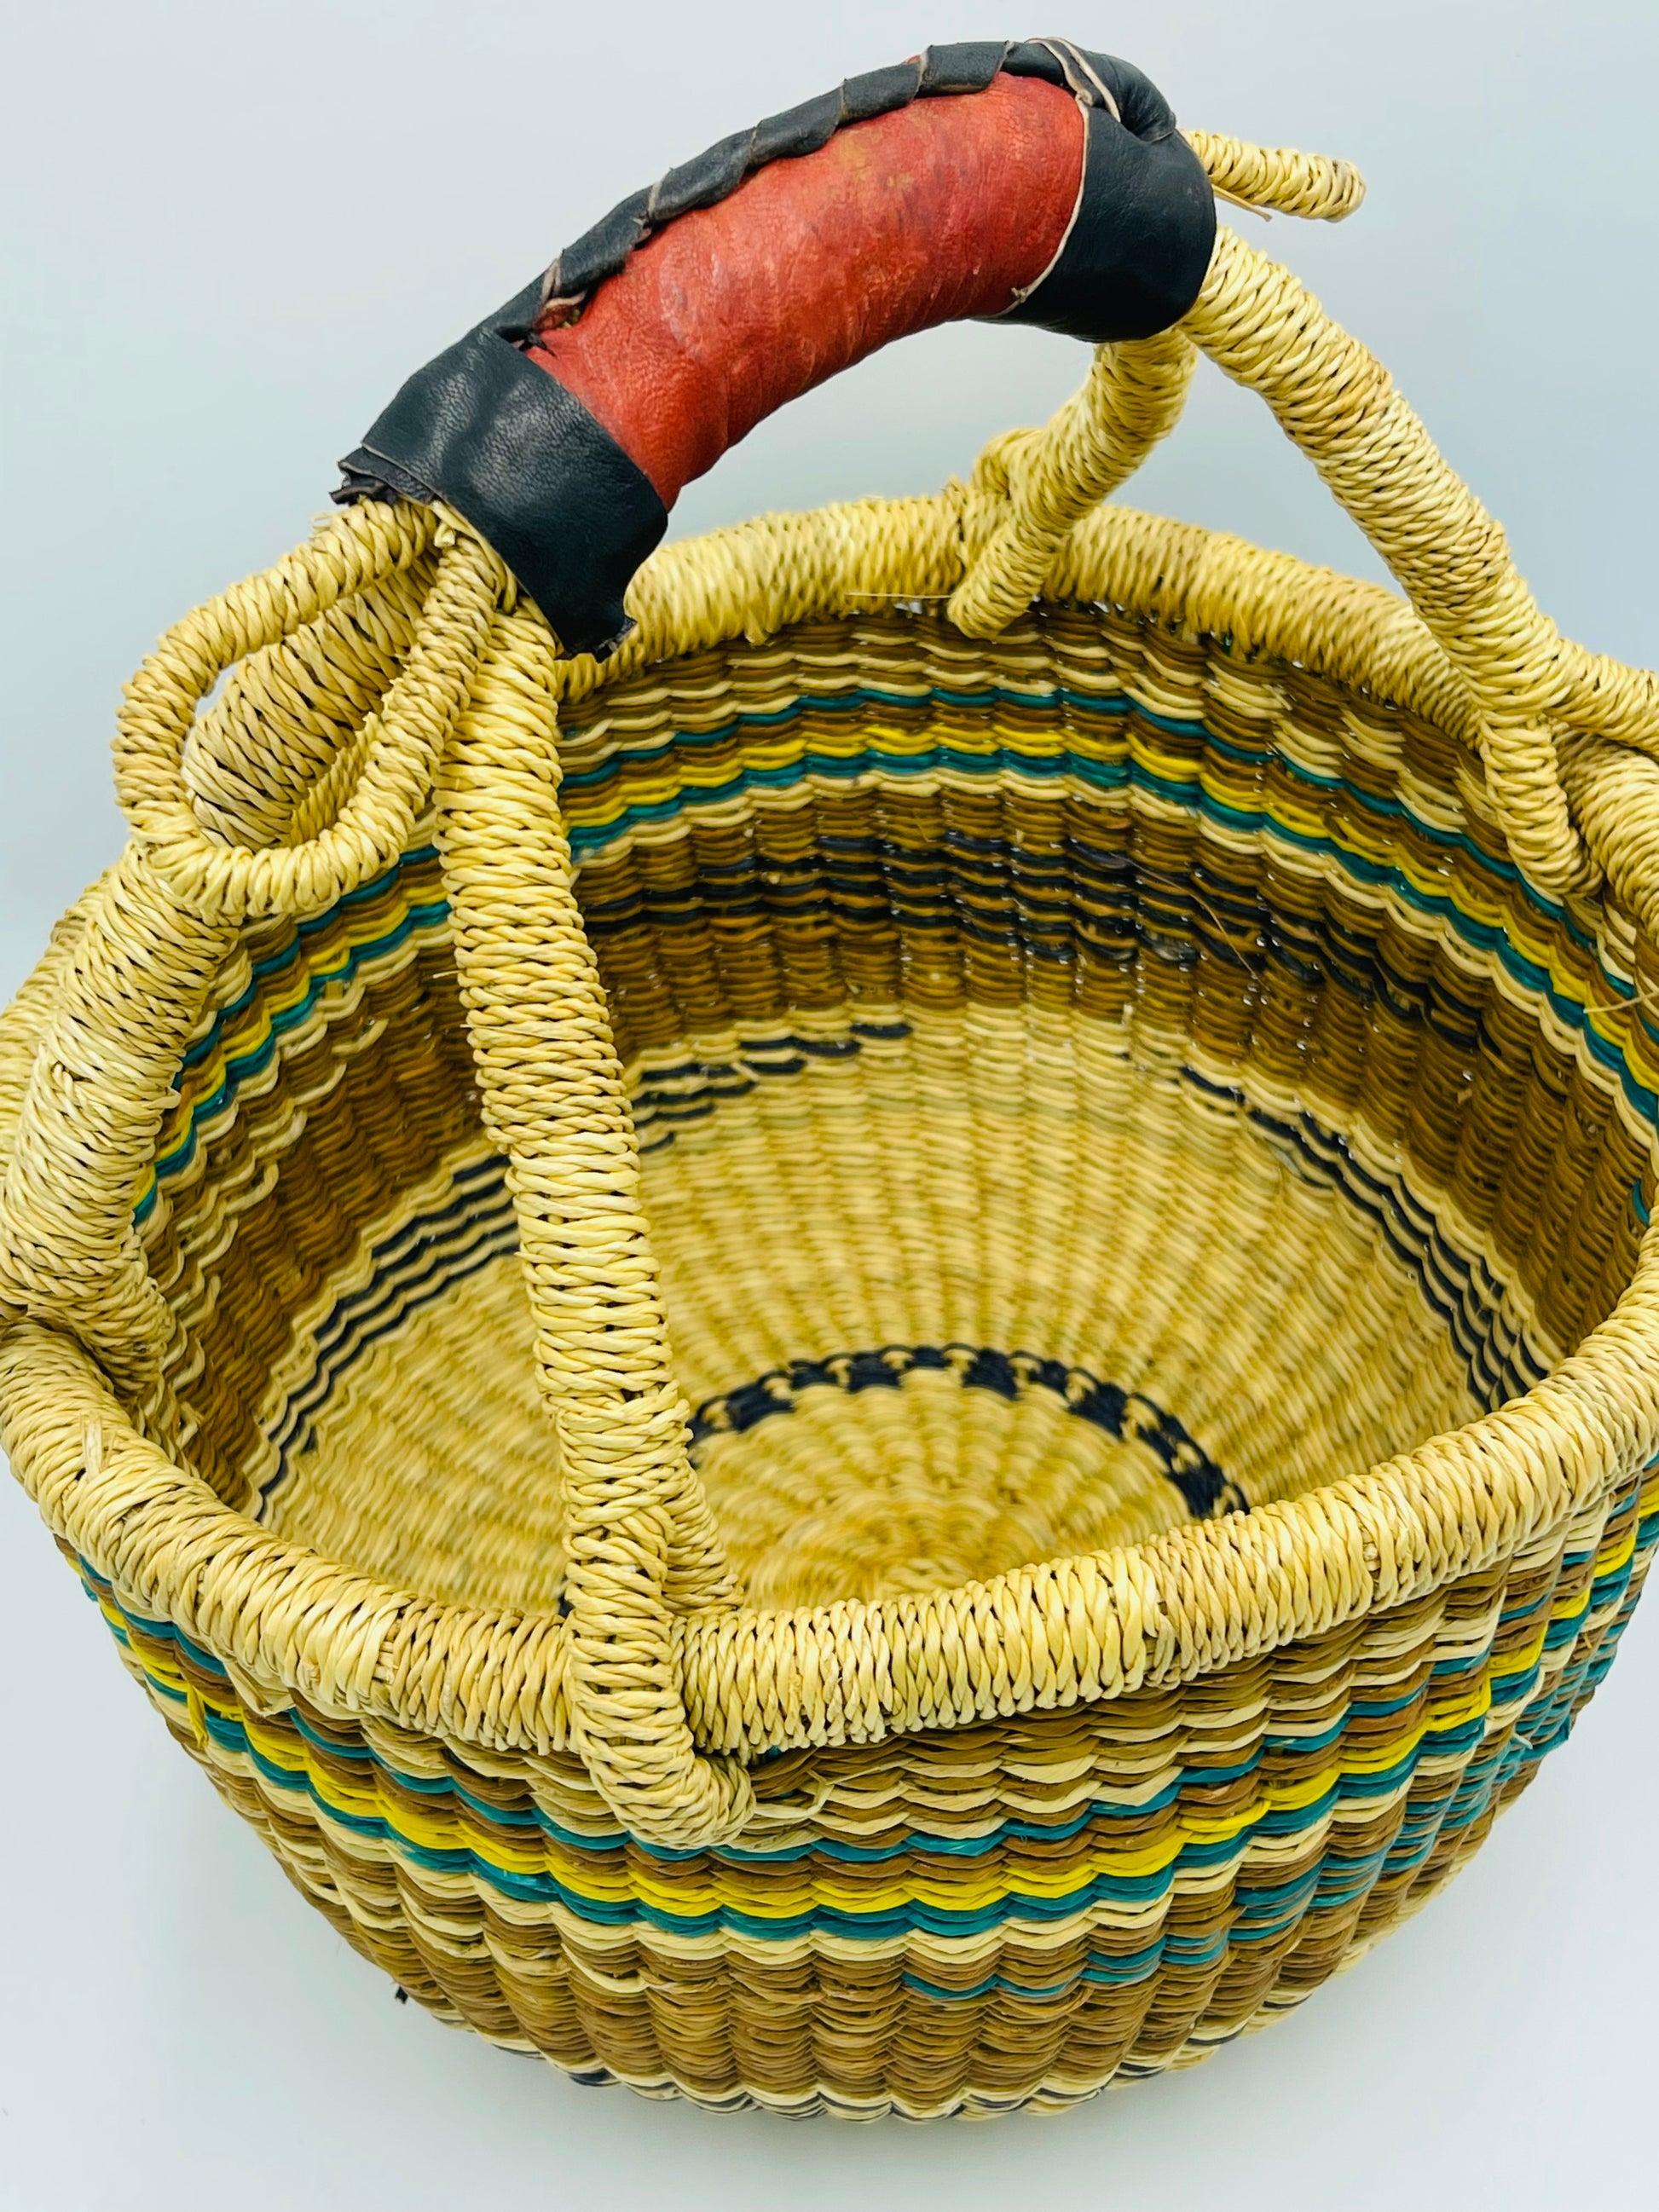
{"points": [[1124, 1414], [421, 1260]]}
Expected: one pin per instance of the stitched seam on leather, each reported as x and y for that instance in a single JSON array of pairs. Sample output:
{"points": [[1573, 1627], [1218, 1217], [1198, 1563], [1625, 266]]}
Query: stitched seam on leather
{"points": [[1026, 291], [1084, 82]]}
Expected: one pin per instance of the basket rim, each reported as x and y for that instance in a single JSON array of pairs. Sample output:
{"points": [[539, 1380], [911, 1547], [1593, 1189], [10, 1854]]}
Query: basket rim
{"points": [[284, 1620], [1201, 583]]}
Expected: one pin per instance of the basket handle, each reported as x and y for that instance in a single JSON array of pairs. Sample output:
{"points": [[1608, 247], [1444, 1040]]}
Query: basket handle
{"points": [[1060, 194], [1033, 183], [641, 1539], [640, 1545], [1334, 400], [1540, 701], [473, 708]]}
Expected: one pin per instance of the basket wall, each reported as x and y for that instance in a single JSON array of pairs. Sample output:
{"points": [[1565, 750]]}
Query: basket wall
{"points": [[1089, 1082], [961, 1921]]}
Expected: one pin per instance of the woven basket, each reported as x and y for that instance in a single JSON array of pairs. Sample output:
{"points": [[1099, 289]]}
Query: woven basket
{"points": [[1137, 1057]]}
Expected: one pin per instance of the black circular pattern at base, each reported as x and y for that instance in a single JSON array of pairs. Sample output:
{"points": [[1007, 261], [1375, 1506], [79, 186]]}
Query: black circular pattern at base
{"points": [[1123, 1415]]}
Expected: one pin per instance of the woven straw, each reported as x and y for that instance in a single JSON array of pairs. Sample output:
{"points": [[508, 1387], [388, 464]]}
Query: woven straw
{"points": [[1139, 1061]]}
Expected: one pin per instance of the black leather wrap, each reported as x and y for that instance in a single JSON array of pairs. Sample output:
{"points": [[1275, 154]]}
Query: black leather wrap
{"points": [[485, 431], [1141, 243]]}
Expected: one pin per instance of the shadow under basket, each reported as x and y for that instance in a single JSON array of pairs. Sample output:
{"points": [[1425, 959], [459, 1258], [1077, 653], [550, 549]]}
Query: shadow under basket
{"points": [[1148, 1200]]}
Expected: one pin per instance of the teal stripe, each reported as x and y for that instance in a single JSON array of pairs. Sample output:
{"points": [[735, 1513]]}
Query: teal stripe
{"points": [[1284, 1822], [430, 917], [589, 841]]}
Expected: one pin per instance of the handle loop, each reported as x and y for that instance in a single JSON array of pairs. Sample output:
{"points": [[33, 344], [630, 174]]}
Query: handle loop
{"points": [[1334, 399], [159, 927], [1043, 482], [402, 742]]}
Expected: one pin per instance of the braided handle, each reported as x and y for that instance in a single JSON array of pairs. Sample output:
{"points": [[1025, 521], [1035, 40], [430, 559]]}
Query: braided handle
{"points": [[157, 930], [1040, 483], [1530, 687], [639, 1541], [1334, 399]]}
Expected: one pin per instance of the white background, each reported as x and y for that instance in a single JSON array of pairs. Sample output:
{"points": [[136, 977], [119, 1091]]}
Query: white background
{"points": [[231, 230]]}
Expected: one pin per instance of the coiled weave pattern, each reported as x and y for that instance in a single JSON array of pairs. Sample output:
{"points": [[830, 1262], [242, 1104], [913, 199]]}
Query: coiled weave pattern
{"points": [[894, 1359]]}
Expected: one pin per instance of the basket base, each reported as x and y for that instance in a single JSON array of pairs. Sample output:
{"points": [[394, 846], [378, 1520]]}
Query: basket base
{"points": [[1094, 1302]]}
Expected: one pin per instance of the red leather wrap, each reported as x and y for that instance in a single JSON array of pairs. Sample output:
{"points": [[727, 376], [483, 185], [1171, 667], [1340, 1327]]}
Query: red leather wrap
{"points": [[945, 208]]}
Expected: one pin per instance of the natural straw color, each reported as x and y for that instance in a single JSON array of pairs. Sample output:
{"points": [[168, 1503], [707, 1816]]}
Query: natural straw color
{"points": [[1279, 180], [1039, 484], [639, 1538], [1145, 1177]]}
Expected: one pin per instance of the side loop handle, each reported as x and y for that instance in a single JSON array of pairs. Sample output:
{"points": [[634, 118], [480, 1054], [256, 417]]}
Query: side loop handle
{"points": [[1336, 400], [400, 743], [1046, 480], [1532, 690], [157, 929]]}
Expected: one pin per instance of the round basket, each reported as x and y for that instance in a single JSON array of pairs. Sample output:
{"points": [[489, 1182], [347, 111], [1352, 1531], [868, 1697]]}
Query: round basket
{"points": [[1138, 1061]]}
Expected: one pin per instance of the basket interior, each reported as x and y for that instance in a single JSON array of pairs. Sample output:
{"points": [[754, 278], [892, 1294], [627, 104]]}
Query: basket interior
{"points": [[1085, 1083]]}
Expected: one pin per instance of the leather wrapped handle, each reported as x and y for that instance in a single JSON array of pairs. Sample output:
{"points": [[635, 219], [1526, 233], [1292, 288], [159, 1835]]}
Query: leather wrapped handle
{"points": [[1032, 183]]}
